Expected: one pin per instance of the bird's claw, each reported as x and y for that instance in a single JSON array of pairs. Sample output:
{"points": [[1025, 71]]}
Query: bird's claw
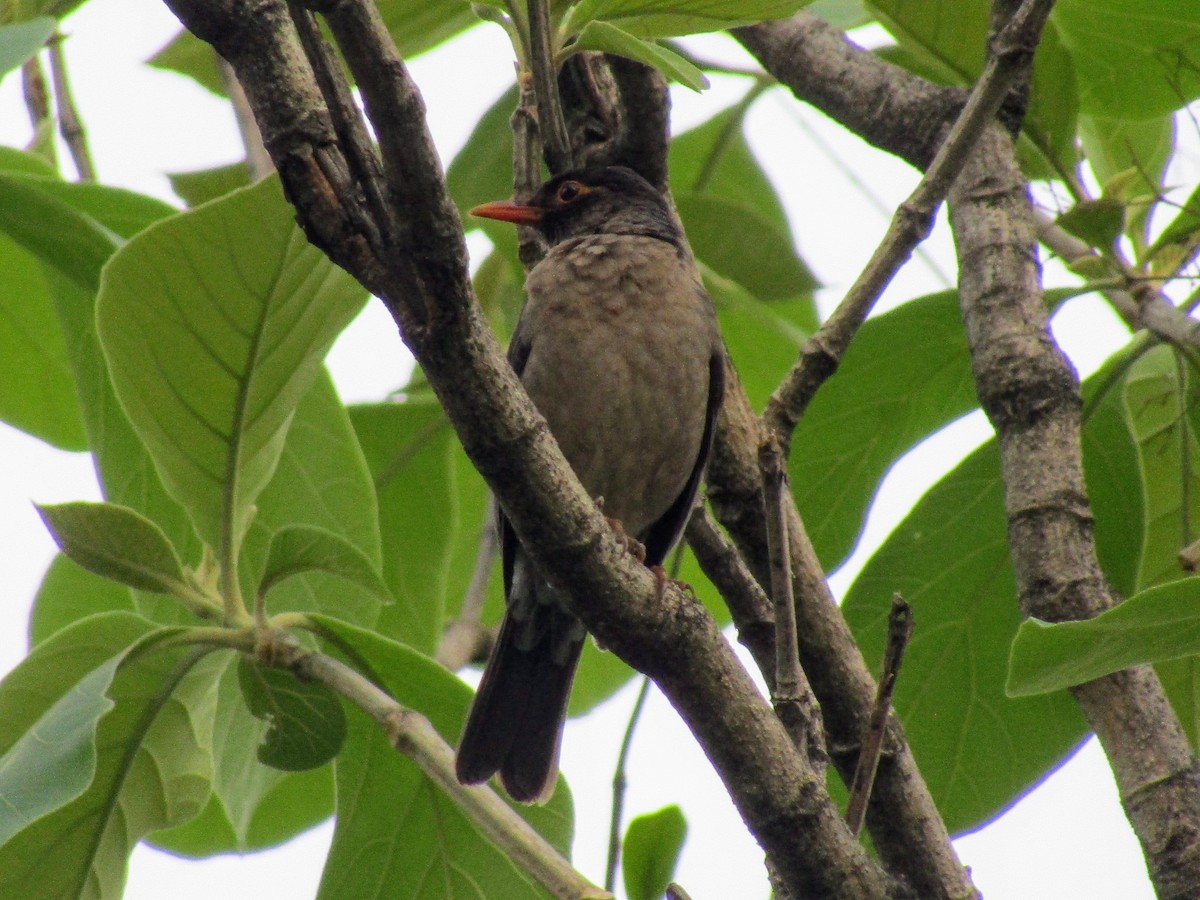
{"points": [[662, 579], [628, 543]]}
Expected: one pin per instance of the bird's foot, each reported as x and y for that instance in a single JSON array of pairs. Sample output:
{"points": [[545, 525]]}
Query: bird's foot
{"points": [[628, 543], [662, 579]]}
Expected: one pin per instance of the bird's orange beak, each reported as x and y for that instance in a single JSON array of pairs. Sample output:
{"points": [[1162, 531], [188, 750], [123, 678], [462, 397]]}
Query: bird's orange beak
{"points": [[510, 211]]}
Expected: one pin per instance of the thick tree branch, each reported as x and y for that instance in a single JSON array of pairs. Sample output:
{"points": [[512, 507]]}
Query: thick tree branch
{"points": [[885, 105], [1030, 393]]}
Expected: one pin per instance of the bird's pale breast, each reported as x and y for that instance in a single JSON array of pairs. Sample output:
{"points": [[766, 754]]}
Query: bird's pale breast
{"points": [[619, 367]]}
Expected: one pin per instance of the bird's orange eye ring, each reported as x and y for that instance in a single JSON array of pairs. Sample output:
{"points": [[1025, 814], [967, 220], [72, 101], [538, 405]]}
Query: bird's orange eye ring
{"points": [[570, 191]]}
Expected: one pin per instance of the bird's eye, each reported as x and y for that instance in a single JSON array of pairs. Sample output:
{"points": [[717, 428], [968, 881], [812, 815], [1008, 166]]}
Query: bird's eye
{"points": [[569, 190]]}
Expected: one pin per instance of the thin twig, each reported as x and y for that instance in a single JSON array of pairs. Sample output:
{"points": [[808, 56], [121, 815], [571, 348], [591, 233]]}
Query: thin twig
{"points": [[258, 161], [466, 639], [909, 226], [899, 630], [748, 603], [37, 99], [789, 677], [1140, 306], [620, 782], [69, 122], [553, 126]]}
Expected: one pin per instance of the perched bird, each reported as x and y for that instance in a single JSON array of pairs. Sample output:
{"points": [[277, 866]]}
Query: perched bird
{"points": [[619, 350]]}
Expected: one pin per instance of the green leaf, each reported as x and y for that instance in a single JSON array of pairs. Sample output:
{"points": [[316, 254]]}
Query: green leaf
{"points": [[906, 375], [306, 725], [304, 548], [1098, 222], [482, 169], [52, 230], [1178, 241], [650, 852], [715, 159], [607, 38], [1134, 59], [69, 592], [214, 324], [21, 41], [1158, 624], [190, 56], [741, 244], [1157, 397], [252, 806], [979, 749], [152, 761], [667, 18], [52, 763], [39, 393], [208, 184], [947, 42], [431, 511], [393, 826], [116, 542]]}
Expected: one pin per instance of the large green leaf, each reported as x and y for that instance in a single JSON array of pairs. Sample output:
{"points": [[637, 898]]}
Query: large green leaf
{"points": [[397, 835], [977, 748], [1134, 59], [52, 763], [735, 240], [68, 593], [152, 763], [1157, 625], [39, 394], [430, 515], [214, 324], [322, 481], [905, 375]]}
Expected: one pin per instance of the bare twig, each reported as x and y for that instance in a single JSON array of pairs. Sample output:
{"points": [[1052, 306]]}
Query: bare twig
{"points": [[911, 223], [258, 161], [899, 631], [789, 677], [748, 603], [555, 143], [37, 98], [466, 639], [1143, 307], [620, 782], [70, 125]]}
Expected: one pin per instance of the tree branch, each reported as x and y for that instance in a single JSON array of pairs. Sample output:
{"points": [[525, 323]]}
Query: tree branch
{"points": [[1030, 394]]}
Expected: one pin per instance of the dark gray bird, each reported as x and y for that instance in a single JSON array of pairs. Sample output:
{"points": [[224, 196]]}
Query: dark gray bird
{"points": [[619, 350]]}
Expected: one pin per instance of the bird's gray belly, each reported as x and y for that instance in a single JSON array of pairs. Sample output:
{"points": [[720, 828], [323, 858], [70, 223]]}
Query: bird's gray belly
{"points": [[626, 403]]}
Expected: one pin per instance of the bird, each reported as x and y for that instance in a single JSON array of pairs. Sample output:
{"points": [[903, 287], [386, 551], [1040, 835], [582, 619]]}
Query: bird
{"points": [[619, 349]]}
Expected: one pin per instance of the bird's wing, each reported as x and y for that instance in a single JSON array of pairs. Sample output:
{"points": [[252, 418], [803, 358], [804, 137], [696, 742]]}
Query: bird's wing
{"points": [[663, 534]]}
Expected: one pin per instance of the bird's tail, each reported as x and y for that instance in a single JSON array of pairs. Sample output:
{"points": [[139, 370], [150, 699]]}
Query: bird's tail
{"points": [[515, 724]]}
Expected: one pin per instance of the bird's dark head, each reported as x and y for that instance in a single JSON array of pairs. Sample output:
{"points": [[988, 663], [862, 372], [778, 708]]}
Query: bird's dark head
{"points": [[596, 200]]}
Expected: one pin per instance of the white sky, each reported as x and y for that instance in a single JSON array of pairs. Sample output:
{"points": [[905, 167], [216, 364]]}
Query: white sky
{"points": [[1066, 839]]}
